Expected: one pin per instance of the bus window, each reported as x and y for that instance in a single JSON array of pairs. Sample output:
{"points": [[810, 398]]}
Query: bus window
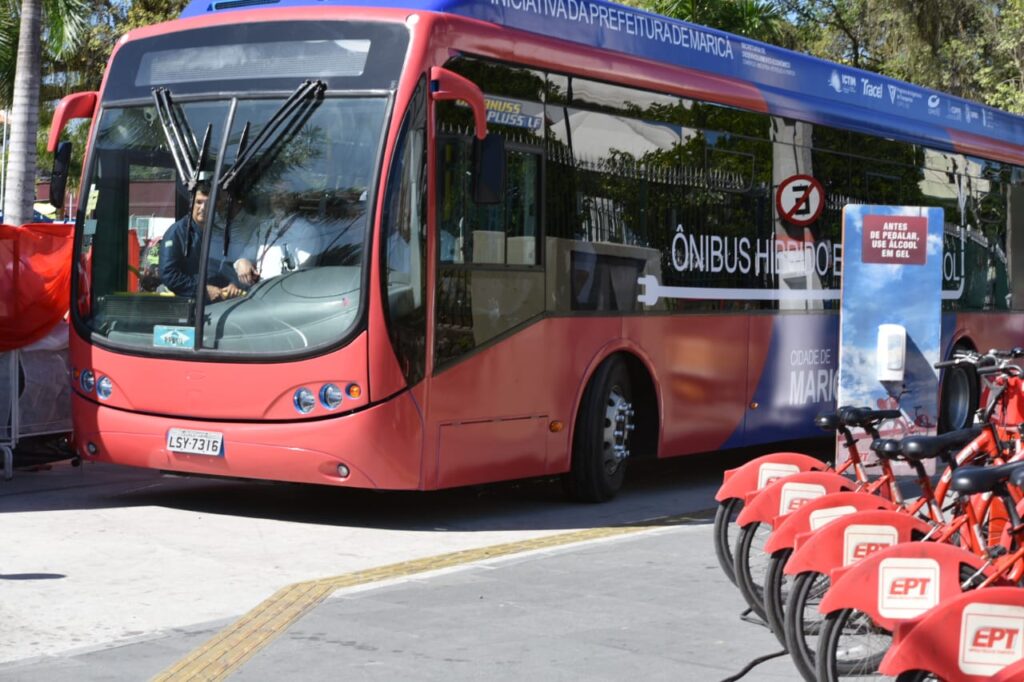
{"points": [[403, 234], [488, 280], [503, 234]]}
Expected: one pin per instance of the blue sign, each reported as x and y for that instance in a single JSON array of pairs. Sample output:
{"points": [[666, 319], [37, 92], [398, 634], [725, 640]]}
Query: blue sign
{"points": [[890, 316]]}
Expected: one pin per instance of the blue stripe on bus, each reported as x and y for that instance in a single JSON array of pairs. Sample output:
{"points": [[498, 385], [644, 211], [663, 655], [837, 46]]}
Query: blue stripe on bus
{"points": [[794, 84]]}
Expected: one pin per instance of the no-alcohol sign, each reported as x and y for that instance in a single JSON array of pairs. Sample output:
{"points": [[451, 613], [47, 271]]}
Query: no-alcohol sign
{"points": [[800, 200]]}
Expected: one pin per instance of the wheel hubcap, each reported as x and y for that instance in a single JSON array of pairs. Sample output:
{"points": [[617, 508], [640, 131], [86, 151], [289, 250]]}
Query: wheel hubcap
{"points": [[618, 424]]}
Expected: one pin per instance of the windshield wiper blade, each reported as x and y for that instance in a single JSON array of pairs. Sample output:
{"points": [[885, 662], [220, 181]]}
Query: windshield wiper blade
{"points": [[173, 133], [188, 158], [290, 116]]}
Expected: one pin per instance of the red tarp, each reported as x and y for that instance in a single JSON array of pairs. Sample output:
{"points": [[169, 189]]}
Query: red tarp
{"points": [[35, 280]]}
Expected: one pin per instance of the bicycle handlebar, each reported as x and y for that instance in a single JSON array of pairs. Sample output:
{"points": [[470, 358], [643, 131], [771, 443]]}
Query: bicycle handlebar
{"points": [[1001, 369], [993, 357]]}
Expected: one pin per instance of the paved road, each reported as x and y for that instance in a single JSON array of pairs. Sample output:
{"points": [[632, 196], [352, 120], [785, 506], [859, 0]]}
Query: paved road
{"points": [[111, 573]]}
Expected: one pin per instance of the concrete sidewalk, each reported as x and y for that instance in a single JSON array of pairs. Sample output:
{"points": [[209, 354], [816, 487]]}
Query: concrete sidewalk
{"points": [[650, 605]]}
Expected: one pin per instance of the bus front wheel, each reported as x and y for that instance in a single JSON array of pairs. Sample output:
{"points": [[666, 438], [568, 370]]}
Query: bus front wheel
{"points": [[600, 444]]}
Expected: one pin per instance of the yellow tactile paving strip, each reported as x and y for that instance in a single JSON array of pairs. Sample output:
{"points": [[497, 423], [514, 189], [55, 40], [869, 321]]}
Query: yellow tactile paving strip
{"points": [[229, 649]]}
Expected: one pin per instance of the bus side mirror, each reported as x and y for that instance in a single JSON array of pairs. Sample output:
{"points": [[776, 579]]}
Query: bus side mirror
{"points": [[447, 85], [59, 175], [78, 105], [489, 169]]}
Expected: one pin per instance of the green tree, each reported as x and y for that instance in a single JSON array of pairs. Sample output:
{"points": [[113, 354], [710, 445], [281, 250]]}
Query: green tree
{"points": [[78, 36], [758, 19], [56, 25], [1002, 81]]}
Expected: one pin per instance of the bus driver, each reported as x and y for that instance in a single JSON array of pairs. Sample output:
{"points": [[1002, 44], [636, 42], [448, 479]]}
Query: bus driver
{"points": [[179, 267]]}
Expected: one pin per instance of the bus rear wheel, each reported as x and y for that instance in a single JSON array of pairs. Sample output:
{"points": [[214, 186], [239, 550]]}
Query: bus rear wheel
{"points": [[600, 444]]}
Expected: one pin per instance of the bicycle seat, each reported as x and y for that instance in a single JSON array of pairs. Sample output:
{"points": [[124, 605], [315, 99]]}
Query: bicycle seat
{"points": [[865, 416], [927, 447], [888, 448], [971, 479]]}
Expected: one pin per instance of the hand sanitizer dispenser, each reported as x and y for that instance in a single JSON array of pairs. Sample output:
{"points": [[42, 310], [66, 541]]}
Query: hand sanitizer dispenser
{"points": [[891, 355]]}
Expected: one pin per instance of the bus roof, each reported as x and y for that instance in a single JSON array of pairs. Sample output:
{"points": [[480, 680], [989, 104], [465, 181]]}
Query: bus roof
{"points": [[793, 85]]}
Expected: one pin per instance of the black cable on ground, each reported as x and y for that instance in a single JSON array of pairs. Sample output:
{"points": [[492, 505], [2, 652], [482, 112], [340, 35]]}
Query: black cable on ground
{"points": [[749, 616], [753, 664]]}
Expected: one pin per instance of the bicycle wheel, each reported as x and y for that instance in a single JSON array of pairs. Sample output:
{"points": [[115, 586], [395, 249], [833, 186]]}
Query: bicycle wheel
{"points": [[802, 622], [750, 564], [726, 531], [850, 646], [776, 591]]}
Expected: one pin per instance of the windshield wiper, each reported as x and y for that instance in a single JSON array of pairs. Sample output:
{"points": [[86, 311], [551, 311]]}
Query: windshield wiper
{"points": [[181, 141], [286, 121], [279, 129]]}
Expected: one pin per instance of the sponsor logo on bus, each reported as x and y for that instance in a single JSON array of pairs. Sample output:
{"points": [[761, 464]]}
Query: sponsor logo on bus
{"points": [[907, 587], [871, 89], [842, 82], [796, 495], [991, 637]]}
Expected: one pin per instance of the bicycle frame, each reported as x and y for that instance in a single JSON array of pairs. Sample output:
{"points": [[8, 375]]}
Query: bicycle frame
{"points": [[762, 471]]}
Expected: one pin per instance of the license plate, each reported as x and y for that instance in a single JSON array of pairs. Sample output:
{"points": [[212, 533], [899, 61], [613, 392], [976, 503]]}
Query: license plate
{"points": [[208, 443]]}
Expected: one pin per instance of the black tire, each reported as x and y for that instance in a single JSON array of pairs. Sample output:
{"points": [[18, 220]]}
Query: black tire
{"points": [[834, 661], [750, 564], [726, 531], [777, 586], [959, 399], [916, 676], [802, 622], [598, 465]]}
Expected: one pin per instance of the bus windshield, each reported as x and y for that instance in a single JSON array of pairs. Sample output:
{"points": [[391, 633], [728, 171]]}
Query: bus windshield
{"points": [[286, 251], [276, 266]]}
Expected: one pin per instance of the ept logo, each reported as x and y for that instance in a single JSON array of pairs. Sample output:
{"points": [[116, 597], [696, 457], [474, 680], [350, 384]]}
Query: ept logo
{"points": [[867, 548], [795, 495], [995, 638], [861, 540], [769, 472], [902, 587], [907, 587], [991, 637]]}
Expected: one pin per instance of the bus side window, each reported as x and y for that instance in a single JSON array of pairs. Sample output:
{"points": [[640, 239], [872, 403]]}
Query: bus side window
{"points": [[502, 234], [404, 244]]}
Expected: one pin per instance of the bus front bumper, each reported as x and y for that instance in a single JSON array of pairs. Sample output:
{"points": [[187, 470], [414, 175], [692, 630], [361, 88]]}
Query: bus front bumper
{"points": [[379, 447]]}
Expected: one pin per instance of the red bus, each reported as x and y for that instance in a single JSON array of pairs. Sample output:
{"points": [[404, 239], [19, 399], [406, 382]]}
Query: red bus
{"points": [[442, 243]]}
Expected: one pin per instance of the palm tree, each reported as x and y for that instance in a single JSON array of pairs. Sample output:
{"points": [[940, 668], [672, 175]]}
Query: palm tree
{"points": [[60, 24]]}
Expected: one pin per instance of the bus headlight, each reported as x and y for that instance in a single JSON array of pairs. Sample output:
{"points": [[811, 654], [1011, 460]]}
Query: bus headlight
{"points": [[87, 380], [330, 396], [104, 387], [304, 400]]}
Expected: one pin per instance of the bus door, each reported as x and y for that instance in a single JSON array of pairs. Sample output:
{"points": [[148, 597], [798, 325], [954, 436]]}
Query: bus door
{"points": [[487, 391]]}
